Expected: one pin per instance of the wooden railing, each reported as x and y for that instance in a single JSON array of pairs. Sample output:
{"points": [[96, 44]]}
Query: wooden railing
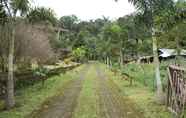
{"points": [[176, 90], [29, 76]]}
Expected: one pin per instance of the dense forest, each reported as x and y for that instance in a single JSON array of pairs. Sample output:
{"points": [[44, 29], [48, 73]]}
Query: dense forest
{"points": [[31, 36]]}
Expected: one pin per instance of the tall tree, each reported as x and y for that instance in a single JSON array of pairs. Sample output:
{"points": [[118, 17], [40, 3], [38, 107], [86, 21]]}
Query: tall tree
{"points": [[150, 9], [42, 15], [68, 22], [13, 7]]}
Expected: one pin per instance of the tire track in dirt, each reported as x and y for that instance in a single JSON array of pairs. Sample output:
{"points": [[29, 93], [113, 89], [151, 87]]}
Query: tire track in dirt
{"points": [[63, 106], [111, 102]]}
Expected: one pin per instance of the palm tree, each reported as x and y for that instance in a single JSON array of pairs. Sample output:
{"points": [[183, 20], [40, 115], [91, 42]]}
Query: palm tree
{"points": [[150, 8], [13, 7], [42, 15]]}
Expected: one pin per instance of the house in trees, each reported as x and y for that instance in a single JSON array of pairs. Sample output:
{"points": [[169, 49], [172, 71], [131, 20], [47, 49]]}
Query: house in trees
{"points": [[164, 54]]}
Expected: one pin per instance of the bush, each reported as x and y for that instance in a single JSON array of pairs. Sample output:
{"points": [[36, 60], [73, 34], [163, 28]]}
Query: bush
{"points": [[79, 54], [31, 77], [2, 105], [41, 72], [68, 60], [142, 73], [115, 67]]}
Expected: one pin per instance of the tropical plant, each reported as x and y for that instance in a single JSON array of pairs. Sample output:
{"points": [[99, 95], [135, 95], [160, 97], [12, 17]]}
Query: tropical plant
{"points": [[150, 9], [12, 7], [42, 15], [79, 54]]}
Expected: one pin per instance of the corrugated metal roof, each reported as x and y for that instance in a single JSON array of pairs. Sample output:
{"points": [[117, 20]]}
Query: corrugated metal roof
{"points": [[170, 52]]}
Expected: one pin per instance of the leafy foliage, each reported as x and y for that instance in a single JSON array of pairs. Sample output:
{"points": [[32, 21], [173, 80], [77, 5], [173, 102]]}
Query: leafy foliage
{"points": [[79, 53], [42, 15], [41, 71]]}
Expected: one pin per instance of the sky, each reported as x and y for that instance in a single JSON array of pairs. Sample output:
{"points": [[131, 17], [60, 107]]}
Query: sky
{"points": [[88, 9]]}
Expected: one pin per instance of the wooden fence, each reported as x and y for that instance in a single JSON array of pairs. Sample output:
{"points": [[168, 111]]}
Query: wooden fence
{"points": [[176, 91], [30, 77]]}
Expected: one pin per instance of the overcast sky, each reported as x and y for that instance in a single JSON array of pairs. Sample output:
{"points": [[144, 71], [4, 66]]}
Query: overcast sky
{"points": [[88, 9]]}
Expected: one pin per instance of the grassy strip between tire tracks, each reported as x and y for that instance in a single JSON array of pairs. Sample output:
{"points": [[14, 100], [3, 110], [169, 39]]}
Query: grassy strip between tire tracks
{"points": [[87, 102]]}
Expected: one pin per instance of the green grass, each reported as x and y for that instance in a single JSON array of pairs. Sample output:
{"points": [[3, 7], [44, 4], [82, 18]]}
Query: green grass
{"points": [[31, 98], [142, 96], [87, 102], [144, 73]]}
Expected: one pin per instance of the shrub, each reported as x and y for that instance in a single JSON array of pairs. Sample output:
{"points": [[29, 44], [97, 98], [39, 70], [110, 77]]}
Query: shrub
{"points": [[79, 54], [41, 72]]}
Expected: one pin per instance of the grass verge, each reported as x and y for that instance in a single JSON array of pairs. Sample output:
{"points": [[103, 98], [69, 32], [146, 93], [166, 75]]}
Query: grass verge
{"points": [[142, 96], [32, 97]]}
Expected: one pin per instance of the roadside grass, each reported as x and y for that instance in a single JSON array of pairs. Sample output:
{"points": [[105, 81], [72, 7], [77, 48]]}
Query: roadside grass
{"points": [[142, 96], [88, 100], [144, 73], [31, 98]]}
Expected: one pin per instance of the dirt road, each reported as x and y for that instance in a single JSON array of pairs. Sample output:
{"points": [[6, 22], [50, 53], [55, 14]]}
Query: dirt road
{"points": [[111, 102]]}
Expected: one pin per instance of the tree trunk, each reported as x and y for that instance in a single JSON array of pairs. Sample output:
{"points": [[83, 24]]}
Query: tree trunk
{"points": [[10, 102], [108, 61], [157, 69], [178, 50], [105, 60], [58, 35], [121, 59]]}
